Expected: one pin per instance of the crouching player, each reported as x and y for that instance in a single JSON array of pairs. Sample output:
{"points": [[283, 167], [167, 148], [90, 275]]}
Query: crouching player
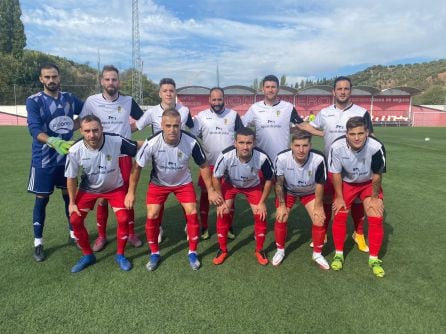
{"points": [[240, 166], [300, 174], [170, 151], [97, 155], [357, 162]]}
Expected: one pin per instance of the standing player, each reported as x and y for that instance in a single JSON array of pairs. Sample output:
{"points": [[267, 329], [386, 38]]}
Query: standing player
{"points": [[332, 121], [271, 119], [114, 110], [300, 174], [153, 116], [97, 155], [216, 127], [170, 151], [50, 123], [357, 162], [240, 165]]}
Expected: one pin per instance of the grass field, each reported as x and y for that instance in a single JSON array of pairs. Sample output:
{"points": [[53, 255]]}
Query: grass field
{"points": [[240, 296]]}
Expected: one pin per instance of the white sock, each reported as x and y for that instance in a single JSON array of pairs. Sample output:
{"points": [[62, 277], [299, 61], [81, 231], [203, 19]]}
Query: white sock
{"points": [[340, 253], [190, 252], [372, 257], [38, 241], [72, 235]]}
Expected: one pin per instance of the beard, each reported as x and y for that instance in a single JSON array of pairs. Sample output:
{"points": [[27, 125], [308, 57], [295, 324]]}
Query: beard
{"points": [[52, 87], [218, 108], [111, 90]]}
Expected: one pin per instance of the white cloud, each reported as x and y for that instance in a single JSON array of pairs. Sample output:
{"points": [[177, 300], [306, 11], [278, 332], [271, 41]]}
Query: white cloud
{"points": [[247, 40]]}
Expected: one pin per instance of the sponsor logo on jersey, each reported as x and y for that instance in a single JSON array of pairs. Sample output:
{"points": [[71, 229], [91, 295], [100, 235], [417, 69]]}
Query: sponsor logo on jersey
{"points": [[61, 125], [218, 128], [112, 117]]}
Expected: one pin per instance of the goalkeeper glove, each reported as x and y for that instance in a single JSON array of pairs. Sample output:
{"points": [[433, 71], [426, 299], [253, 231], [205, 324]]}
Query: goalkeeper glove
{"points": [[60, 145]]}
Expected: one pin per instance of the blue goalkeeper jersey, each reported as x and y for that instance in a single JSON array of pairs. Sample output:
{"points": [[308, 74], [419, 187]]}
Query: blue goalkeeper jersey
{"points": [[53, 116]]}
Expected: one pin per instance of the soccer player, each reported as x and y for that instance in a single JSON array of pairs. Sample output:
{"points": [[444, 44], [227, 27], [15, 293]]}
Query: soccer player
{"points": [[114, 110], [216, 126], [97, 155], [332, 120], [240, 165], [50, 123], [170, 151], [153, 116], [300, 174], [271, 119], [357, 162]]}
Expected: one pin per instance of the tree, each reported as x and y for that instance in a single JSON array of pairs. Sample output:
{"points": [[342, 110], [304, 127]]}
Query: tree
{"points": [[12, 32], [433, 95], [283, 80]]}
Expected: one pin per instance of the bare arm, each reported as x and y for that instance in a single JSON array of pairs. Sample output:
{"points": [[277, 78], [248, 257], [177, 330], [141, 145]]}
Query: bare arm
{"points": [[72, 190], [133, 182], [214, 197], [307, 127]]}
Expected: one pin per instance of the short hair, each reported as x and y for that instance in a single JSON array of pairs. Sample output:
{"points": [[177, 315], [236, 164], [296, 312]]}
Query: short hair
{"points": [[245, 131], [167, 81], [300, 134], [48, 66], [171, 112], [355, 122], [91, 118], [270, 77], [217, 88], [109, 68], [342, 78]]}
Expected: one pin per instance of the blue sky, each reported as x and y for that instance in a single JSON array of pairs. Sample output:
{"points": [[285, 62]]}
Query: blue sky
{"points": [[248, 39]]}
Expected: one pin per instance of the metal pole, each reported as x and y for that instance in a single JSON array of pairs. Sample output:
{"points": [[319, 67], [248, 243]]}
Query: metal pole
{"points": [[15, 103]]}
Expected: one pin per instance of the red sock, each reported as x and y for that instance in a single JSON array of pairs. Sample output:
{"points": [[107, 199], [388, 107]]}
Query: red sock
{"points": [[376, 235], [204, 209], [101, 219], [259, 231], [122, 233], [328, 212], [318, 236], [131, 222], [193, 231], [357, 210], [160, 215], [280, 232], [339, 229], [152, 231], [223, 224], [80, 232]]}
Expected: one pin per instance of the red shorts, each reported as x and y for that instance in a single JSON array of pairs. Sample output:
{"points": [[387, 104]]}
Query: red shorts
{"points": [[328, 185], [125, 165], [253, 195], [86, 200], [158, 194], [291, 199], [351, 191], [201, 181]]}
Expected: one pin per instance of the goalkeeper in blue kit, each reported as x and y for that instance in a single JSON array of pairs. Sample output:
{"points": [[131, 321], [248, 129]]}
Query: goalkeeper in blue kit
{"points": [[50, 123]]}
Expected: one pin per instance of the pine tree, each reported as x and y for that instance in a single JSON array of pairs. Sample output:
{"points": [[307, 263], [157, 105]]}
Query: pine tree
{"points": [[12, 32]]}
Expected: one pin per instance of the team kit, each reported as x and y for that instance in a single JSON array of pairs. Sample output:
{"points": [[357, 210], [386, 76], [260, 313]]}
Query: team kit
{"points": [[267, 149]]}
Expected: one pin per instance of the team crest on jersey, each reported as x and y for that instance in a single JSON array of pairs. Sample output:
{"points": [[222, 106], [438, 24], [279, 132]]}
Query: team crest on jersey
{"points": [[310, 173], [180, 155], [278, 112], [119, 108], [226, 121], [108, 157]]}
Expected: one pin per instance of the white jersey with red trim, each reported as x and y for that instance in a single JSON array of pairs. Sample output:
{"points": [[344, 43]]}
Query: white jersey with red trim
{"points": [[153, 116], [170, 164], [114, 115], [100, 168], [243, 174], [333, 121], [272, 125], [357, 166], [217, 131], [301, 180]]}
